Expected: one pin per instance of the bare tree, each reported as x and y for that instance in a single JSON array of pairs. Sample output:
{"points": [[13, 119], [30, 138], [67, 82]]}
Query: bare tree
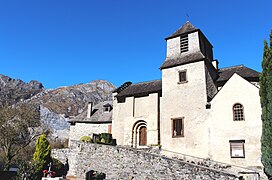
{"points": [[17, 129]]}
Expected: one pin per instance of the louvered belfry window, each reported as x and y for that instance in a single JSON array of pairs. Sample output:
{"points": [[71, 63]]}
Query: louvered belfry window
{"points": [[184, 43]]}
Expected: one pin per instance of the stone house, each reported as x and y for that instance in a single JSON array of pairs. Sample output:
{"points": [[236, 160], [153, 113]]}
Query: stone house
{"points": [[196, 108], [97, 119]]}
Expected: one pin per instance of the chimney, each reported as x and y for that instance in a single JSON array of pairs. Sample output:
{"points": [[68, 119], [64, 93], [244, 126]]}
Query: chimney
{"points": [[90, 109]]}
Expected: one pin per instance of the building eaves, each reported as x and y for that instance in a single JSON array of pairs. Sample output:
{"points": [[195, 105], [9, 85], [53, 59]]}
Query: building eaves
{"points": [[180, 60], [142, 88]]}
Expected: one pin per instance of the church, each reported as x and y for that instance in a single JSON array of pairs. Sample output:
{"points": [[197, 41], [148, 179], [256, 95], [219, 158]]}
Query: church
{"points": [[195, 109]]}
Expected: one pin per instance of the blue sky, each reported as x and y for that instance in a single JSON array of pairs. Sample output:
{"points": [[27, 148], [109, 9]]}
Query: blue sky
{"points": [[67, 42]]}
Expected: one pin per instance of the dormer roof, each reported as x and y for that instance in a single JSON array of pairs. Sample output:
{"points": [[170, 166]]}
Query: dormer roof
{"points": [[185, 29], [98, 115]]}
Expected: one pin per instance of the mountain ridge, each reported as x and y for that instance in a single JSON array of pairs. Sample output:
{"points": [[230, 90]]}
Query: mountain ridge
{"points": [[57, 105]]}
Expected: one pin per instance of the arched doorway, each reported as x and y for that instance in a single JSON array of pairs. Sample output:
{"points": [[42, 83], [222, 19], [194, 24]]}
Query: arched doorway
{"points": [[139, 134], [142, 136]]}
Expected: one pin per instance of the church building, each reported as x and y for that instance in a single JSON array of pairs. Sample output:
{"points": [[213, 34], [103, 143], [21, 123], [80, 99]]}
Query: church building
{"points": [[196, 109]]}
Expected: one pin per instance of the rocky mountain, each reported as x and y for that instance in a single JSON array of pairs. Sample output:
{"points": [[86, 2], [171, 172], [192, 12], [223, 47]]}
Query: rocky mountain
{"points": [[15, 90], [58, 105]]}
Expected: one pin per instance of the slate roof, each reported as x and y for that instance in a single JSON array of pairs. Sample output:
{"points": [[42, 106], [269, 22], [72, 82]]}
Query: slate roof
{"points": [[98, 114], [145, 88], [245, 72], [185, 29], [189, 58], [140, 89]]}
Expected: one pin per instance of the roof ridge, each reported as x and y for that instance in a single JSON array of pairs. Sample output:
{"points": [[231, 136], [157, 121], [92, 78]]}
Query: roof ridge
{"points": [[241, 65], [145, 82]]}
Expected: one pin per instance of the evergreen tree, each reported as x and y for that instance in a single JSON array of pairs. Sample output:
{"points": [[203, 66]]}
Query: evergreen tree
{"points": [[266, 104], [42, 155]]}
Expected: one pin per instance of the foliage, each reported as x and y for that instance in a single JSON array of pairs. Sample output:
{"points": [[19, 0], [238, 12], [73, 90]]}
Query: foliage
{"points": [[266, 104], [42, 155], [87, 139], [103, 140], [28, 169], [95, 175], [107, 137], [58, 167], [17, 130]]}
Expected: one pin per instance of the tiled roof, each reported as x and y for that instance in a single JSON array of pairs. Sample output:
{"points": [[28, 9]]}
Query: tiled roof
{"points": [[142, 88], [245, 72], [189, 58], [186, 28]]}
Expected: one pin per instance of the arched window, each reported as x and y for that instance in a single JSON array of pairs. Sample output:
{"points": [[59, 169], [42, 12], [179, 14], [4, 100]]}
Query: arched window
{"points": [[238, 112]]}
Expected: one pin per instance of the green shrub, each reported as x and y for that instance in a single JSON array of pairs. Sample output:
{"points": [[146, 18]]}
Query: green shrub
{"points": [[42, 154], [107, 137], [87, 139], [58, 167], [103, 140]]}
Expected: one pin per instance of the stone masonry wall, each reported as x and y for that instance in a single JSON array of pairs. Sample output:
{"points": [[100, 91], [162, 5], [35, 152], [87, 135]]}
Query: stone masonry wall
{"points": [[127, 163]]}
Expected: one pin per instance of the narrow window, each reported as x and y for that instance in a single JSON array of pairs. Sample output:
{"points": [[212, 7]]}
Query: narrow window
{"points": [[237, 148], [238, 112], [178, 127], [182, 76], [184, 44]]}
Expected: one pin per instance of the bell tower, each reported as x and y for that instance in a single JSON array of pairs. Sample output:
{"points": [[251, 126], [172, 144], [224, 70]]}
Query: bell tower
{"points": [[188, 77], [188, 44]]}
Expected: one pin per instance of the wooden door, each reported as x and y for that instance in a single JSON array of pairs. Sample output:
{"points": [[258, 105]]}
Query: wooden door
{"points": [[142, 136]]}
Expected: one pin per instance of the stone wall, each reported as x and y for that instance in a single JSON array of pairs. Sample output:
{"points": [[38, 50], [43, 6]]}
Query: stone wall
{"points": [[127, 163]]}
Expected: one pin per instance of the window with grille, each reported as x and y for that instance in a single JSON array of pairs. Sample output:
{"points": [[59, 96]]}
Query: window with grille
{"points": [[237, 148], [184, 43], [178, 127], [182, 76], [238, 112]]}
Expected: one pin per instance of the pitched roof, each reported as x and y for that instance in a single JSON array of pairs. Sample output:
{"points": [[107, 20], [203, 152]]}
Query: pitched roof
{"points": [[141, 89], [186, 28], [245, 72], [189, 58], [98, 114]]}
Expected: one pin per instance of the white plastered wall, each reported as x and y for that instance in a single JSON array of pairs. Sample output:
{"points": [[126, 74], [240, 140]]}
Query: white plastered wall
{"points": [[236, 90], [126, 114], [186, 100], [173, 46]]}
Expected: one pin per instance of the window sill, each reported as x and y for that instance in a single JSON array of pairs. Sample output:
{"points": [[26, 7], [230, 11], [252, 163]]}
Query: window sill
{"points": [[183, 82], [181, 136], [239, 157]]}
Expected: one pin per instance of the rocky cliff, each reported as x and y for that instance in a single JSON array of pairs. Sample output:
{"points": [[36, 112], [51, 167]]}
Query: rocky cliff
{"points": [[15, 90], [57, 106]]}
